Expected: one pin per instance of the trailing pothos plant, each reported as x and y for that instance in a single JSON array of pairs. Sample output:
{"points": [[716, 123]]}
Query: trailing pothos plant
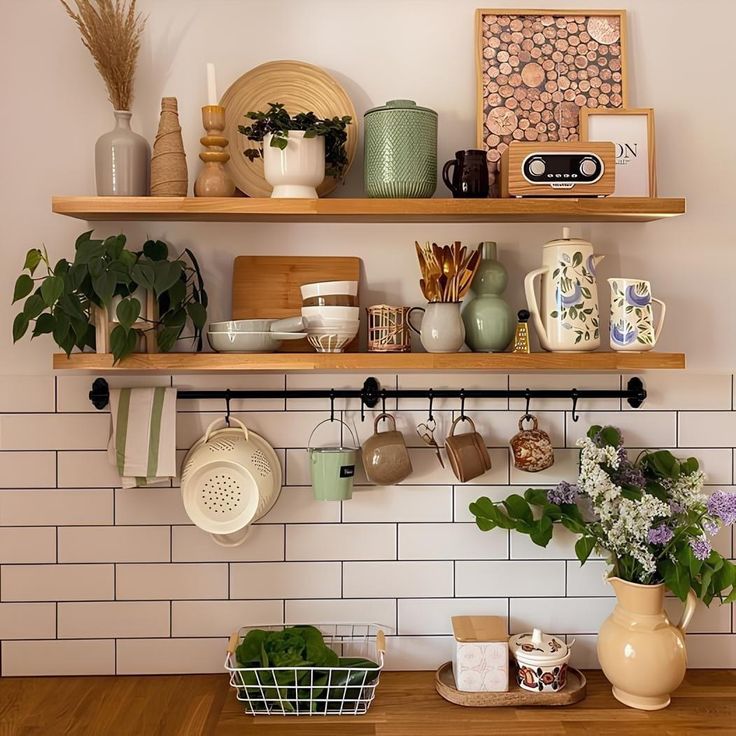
{"points": [[61, 300], [277, 122], [648, 517]]}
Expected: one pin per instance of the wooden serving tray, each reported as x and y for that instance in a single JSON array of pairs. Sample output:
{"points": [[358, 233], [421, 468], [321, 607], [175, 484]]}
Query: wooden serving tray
{"points": [[574, 692]]}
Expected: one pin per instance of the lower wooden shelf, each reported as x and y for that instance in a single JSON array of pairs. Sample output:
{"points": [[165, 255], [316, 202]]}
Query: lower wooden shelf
{"points": [[362, 362]]}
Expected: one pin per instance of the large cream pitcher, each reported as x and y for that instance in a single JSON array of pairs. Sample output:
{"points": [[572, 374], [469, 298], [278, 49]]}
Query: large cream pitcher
{"points": [[566, 317]]}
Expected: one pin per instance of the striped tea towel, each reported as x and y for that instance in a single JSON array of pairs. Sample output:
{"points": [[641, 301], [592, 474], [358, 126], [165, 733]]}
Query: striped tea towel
{"points": [[143, 439]]}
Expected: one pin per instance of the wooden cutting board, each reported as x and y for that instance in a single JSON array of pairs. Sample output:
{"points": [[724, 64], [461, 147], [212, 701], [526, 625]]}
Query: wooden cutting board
{"points": [[266, 287]]}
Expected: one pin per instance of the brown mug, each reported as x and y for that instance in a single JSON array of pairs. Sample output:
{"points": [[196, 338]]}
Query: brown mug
{"points": [[531, 448], [467, 452], [385, 457]]}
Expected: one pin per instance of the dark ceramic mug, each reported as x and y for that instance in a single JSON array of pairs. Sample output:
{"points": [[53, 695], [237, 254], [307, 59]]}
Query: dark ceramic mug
{"points": [[469, 174]]}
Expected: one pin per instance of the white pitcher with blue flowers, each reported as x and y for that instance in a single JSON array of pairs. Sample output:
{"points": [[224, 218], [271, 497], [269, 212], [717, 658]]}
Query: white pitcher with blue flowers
{"points": [[632, 320], [566, 316]]}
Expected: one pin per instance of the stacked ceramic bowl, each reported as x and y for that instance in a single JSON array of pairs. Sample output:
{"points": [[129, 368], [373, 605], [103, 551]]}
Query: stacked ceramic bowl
{"points": [[331, 313], [254, 335]]}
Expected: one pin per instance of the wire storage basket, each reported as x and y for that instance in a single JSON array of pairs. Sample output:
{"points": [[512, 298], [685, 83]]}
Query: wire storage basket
{"points": [[295, 691]]}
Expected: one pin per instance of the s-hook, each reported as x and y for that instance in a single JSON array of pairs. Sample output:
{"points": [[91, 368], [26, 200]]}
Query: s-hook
{"points": [[227, 406], [528, 397], [574, 395], [383, 401], [430, 395], [332, 404], [462, 416]]}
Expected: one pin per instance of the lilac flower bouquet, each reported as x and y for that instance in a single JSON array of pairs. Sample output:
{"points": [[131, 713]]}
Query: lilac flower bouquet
{"points": [[649, 517]]}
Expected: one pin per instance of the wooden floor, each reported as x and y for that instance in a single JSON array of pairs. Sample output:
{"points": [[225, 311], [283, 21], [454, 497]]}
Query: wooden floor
{"points": [[406, 704]]}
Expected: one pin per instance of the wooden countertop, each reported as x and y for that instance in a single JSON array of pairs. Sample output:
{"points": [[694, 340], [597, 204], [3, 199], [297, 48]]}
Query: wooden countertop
{"points": [[406, 704]]}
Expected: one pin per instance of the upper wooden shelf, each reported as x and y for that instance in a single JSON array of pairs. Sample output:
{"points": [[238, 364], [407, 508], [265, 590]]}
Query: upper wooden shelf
{"points": [[244, 209], [366, 362]]}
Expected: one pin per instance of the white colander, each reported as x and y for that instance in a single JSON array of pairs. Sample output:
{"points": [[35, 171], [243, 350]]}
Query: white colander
{"points": [[230, 478]]}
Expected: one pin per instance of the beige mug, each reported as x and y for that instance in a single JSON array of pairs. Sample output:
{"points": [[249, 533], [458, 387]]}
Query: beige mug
{"points": [[385, 457], [467, 452]]}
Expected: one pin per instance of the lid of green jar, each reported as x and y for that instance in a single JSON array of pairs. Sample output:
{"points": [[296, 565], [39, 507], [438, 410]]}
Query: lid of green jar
{"points": [[400, 105]]}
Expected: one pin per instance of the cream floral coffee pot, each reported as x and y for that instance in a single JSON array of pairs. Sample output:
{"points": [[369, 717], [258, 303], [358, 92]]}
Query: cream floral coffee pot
{"points": [[566, 316]]}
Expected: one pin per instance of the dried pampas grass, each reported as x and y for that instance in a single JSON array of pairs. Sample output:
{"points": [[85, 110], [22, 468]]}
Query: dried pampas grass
{"points": [[111, 30]]}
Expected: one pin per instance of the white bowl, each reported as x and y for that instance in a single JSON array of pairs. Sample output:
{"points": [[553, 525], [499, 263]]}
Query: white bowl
{"points": [[288, 324], [344, 313], [329, 288], [250, 342], [327, 342]]}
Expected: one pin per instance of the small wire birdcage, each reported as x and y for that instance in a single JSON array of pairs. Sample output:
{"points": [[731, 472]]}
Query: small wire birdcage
{"points": [[388, 329], [296, 691]]}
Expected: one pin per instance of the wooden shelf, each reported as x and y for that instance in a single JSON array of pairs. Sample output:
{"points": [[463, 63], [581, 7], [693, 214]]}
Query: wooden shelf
{"points": [[244, 209], [371, 362]]}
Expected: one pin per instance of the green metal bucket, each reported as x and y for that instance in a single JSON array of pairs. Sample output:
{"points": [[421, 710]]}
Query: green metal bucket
{"points": [[332, 468]]}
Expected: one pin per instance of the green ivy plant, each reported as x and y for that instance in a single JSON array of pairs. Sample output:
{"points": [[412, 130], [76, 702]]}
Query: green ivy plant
{"points": [[60, 302], [278, 122]]}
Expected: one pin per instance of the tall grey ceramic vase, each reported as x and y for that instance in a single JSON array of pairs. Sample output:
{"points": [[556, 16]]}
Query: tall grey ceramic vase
{"points": [[489, 320], [122, 160]]}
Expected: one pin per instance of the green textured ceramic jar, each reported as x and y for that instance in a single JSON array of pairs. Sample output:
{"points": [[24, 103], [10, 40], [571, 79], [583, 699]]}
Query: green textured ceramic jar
{"points": [[489, 320], [400, 150]]}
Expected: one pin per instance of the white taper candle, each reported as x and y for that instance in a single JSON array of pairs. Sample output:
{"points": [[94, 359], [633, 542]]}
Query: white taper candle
{"points": [[211, 85]]}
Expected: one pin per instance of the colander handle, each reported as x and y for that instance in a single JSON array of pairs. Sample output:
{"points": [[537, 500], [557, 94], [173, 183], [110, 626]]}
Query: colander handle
{"points": [[219, 420], [324, 421]]}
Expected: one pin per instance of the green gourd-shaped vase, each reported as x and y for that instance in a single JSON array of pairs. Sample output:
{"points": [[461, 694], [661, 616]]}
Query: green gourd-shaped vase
{"points": [[489, 320]]}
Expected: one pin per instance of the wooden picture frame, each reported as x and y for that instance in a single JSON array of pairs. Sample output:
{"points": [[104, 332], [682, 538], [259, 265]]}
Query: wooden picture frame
{"points": [[531, 81], [631, 181]]}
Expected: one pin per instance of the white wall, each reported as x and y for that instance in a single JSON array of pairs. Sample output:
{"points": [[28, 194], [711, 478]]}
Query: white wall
{"points": [[53, 109]]}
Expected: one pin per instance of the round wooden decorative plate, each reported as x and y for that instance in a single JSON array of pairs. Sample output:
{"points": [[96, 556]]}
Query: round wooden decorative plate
{"points": [[301, 87], [573, 692]]}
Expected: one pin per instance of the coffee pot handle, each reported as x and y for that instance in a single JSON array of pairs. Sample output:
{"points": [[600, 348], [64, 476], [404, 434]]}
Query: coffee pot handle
{"points": [[446, 174], [408, 318], [531, 301], [660, 322], [691, 604]]}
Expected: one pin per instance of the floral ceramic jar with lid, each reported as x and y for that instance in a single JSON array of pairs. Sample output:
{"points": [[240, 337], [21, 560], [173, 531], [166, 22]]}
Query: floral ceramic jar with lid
{"points": [[400, 151], [541, 661]]}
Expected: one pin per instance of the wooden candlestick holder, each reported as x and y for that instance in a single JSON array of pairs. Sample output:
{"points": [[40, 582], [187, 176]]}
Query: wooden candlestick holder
{"points": [[213, 180]]}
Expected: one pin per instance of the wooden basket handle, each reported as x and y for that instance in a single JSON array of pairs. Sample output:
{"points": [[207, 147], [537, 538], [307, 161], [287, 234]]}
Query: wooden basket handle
{"points": [[380, 642], [232, 644]]}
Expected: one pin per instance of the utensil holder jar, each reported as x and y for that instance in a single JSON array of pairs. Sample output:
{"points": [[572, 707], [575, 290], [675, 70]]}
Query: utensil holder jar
{"points": [[388, 329]]}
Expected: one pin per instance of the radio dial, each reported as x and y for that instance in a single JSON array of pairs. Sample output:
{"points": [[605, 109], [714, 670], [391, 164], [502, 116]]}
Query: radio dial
{"points": [[588, 167], [537, 167]]}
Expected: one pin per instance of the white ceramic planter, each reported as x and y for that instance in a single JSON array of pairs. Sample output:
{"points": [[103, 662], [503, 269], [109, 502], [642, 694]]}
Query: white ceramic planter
{"points": [[297, 170]]}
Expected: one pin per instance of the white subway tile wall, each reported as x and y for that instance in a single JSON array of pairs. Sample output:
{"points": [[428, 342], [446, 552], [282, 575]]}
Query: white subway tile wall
{"points": [[95, 579]]}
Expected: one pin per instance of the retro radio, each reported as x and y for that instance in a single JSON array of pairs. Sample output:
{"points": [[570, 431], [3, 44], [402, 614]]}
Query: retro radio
{"points": [[558, 169]]}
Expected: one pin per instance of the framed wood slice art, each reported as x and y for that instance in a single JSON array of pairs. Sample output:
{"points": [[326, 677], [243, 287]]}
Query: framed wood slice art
{"points": [[537, 68]]}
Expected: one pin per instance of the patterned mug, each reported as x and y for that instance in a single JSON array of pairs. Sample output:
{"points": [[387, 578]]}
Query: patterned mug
{"points": [[632, 320]]}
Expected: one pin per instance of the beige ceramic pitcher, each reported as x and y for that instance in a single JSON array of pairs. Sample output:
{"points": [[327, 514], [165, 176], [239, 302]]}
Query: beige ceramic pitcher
{"points": [[641, 653], [566, 316]]}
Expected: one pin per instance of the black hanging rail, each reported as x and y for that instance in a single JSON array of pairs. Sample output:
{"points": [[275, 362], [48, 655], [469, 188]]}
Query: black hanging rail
{"points": [[371, 393]]}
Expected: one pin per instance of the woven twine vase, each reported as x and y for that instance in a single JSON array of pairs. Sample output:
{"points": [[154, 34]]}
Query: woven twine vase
{"points": [[400, 150]]}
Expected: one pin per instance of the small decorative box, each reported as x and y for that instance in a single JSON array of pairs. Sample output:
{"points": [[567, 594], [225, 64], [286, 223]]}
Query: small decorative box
{"points": [[481, 659]]}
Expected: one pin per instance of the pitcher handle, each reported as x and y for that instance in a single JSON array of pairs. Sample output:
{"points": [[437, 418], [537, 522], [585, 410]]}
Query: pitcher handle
{"points": [[691, 604], [408, 318], [660, 322], [446, 174], [531, 300]]}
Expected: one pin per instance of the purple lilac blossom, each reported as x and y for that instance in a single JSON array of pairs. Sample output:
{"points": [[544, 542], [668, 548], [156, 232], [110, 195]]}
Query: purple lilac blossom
{"points": [[711, 528], [564, 492], [701, 548], [660, 534], [631, 475], [722, 505], [676, 507]]}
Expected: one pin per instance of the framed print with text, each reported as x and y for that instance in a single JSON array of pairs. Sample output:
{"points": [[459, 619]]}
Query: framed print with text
{"points": [[632, 131]]}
